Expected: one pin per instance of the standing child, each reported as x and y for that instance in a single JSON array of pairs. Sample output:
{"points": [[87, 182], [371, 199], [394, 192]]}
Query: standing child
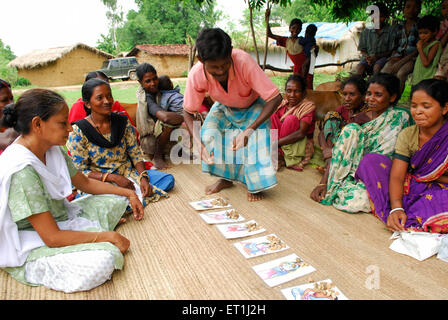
{"points": [[410, 191], [294, 49], [429, 49], [309, 43]]}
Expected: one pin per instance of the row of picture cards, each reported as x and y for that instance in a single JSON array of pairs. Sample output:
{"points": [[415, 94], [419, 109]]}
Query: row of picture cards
{"points": [[230, 223]]}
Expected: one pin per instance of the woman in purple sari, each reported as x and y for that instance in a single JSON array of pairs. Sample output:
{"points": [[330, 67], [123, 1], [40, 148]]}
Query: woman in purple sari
{"points": [[410, 192]]}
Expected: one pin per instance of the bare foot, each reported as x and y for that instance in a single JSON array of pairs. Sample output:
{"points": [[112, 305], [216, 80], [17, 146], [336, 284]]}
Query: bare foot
{"points": [[251, 197], [296, 167], [281, 164], [218, 186], [320, 169], [160, 163]]}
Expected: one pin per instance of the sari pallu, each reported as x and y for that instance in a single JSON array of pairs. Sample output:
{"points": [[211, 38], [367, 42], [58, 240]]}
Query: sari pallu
{"points": [[286, 122], [425, 201], [251, 165], [344, 192]]}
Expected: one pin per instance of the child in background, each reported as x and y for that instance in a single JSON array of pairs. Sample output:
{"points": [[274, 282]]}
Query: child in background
{"points": [[442, 35], [442, 69], [402, 61], [171, 100], [294, 49], [309, 43], [429, 49]]}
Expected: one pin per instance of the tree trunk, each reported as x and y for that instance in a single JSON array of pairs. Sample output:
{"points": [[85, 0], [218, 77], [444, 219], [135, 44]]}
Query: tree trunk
{"points": [[268, 5], [191, 52], [253, 32]]}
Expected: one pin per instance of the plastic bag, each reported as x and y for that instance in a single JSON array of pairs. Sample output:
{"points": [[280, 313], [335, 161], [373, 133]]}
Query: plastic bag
{"points": [[419, 245]]}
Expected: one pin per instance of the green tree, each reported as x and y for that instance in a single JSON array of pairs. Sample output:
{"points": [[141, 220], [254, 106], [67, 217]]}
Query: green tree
{"points": [[114, 14], [348, 10], [6, 55], [106, 43], [165, 22]]}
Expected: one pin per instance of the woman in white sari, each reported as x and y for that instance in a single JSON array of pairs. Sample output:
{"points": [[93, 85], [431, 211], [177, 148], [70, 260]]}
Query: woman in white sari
{"points": [[44, 239]]}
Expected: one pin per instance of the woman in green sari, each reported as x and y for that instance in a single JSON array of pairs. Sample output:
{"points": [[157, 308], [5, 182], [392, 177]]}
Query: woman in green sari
{"points": [[376, 136], [44, 239]]}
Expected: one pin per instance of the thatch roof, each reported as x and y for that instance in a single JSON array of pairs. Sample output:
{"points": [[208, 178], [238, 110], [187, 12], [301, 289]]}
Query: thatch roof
{"points": [[161, 49], [42, 57]]}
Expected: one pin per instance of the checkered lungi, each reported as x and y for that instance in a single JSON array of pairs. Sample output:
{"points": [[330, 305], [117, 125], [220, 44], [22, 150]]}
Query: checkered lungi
{"points": [[251, 165]]}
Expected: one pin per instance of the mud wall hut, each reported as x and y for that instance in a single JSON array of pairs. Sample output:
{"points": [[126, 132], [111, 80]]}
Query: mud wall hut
{"points": [[60, 66], [168, 59]]}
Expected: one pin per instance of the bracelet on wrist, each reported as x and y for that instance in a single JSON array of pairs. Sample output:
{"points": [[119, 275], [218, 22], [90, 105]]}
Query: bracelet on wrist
{"points": [[104, 176], [142, 175], [396, 209]]}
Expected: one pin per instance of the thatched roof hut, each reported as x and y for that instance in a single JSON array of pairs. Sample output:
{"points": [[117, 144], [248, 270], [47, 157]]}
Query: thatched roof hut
{"points": [[169, 59], [59, 66]]}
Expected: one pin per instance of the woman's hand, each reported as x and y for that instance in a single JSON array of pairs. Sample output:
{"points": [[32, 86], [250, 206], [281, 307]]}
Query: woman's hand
{"points": [[121, 181], [205, 156], [137, 207], [319, 192], [241, 139], [420, 44], [145, 187], [396, 220]]}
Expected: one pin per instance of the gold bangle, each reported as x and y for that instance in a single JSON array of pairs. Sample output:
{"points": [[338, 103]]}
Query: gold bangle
{"points": [[97, 235], [103, 179], [321, 184], [141, 175]]}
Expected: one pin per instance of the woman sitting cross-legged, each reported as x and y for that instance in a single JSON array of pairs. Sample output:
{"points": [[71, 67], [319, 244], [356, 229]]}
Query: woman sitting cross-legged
{"points": [[411, 190], [294, 122], [44, 239], [344, 192], [104, 147], [354, 110]]}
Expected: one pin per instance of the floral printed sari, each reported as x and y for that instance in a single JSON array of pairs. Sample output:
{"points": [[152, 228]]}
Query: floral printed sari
{"points": [[344, 192]]}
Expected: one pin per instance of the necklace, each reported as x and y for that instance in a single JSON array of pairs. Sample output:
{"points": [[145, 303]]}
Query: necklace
{"points": [[97, 127]]}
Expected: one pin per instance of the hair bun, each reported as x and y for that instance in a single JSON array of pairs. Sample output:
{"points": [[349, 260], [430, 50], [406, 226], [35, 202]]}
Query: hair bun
{"points": [[9, 115]]}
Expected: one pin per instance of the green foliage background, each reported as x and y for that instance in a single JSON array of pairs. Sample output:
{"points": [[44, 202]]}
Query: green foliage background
{"points": [[161, 22]]}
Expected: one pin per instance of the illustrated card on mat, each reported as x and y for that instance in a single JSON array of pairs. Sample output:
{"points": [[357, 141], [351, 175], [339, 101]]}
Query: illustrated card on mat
{"points": [[239, 230], [207, 204], [260, 246], [281, 270], [225, 216], [322, 290]]}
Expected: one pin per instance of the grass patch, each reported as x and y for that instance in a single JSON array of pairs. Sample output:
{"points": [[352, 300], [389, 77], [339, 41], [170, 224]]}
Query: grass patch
{"points": [[128, 94]]}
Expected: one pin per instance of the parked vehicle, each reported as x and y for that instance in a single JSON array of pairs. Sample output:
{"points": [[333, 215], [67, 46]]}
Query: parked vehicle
{"points": [[120, 68]]}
